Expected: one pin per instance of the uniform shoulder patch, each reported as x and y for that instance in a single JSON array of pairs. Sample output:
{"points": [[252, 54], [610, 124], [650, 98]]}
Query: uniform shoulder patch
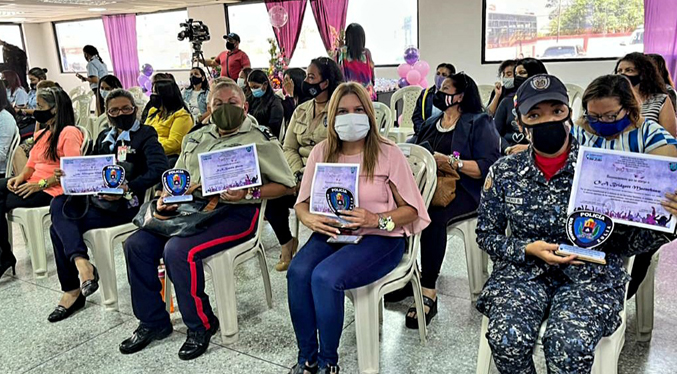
{"points": [[265, 131], [489, 181]]}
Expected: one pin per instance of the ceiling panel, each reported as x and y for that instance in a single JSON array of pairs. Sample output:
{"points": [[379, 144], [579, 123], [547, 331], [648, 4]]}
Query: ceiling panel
{"points": [[34, 11]]}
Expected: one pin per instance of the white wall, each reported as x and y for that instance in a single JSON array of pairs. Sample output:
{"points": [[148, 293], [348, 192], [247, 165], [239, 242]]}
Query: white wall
{"points": [[449, 31]]}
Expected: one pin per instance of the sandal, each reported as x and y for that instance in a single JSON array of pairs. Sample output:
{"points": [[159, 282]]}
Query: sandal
{"points": [[298, 369], [412, 322]]}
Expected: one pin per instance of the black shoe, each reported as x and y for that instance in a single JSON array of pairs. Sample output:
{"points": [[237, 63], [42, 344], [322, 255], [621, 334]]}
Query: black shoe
{"points": [[298, 369], [412, 322], [399, 295], [197, 342], [142, 337], [8, 263], [90, 286], [330, 370], [61, 313]]}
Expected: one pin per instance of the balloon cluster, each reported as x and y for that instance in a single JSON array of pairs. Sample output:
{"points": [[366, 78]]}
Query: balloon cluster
{"points": [[144, 79], [278, 16], [413, 71]]}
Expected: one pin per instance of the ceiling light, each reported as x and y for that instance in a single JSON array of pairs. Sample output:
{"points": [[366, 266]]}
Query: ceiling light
{"points": [[5, 13], [97, 9]]}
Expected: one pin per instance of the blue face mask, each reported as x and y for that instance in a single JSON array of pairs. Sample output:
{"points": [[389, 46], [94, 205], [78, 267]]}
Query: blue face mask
{"points": [[258, 92], [606, 129]]}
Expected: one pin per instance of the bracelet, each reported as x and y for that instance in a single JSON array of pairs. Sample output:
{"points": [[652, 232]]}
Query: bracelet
{"points": [[253, 193]]}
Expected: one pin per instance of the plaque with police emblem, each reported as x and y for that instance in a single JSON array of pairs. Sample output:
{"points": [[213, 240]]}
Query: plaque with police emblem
{"points": [[334, 190], [113, 179], [176, 182], [587, 230]]}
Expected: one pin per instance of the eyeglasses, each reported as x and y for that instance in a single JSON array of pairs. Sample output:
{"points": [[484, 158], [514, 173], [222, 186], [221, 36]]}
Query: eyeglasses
{"points": [[603, 118], [114, 112]]}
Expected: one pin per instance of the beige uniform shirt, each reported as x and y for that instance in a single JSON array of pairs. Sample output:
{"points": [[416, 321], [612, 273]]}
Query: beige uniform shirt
{"points": [[273, 166], [303, 132]]}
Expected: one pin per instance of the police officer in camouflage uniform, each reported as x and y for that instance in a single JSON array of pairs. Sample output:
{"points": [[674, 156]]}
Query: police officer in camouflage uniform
{"points": [[235, 223], [529, 193]]}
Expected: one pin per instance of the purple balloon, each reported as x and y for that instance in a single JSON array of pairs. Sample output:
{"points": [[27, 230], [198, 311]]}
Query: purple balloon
{"points": [[402, 83], [411, 55], [147, 69]]}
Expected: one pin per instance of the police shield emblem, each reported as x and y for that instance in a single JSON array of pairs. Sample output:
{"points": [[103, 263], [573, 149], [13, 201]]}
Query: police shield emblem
{"points": [[176, 181], [673, 166], [113, 176], [588, 229], [340, 199]]}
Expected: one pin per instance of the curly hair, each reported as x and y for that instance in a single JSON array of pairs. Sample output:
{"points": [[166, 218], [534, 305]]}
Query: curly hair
{"points": [[504, 65], [651, 82], [330, 71]]}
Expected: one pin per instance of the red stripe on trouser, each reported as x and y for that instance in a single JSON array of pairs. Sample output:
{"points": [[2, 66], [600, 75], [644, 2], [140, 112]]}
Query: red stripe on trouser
{"points": [[193, 269]]}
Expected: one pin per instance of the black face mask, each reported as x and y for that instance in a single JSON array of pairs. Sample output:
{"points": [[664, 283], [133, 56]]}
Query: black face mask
{"points": [[33, 85], [230, 46], [194, 81], [124, 121], [313, 89], [43, 116], [518, 81], [155, 101], [444, 101], [549, 137], [634, 79]]}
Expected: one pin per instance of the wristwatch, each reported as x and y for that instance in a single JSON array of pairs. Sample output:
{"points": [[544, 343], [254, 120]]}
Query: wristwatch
{"points": [[459, 165], [42, 184], [386, 223]]}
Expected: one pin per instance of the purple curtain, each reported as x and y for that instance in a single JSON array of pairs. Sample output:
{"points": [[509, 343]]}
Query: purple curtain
{"points": [[121, 39], [329, 14], [288, 35], [660, 31]]}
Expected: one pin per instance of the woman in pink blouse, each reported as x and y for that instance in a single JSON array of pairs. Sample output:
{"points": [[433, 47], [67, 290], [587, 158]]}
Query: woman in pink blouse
{"points": [[36, 184], [390, 209]]}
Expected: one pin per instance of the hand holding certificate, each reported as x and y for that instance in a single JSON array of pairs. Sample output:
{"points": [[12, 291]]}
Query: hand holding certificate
{"points": [[628, 187], [82, 175], [233, 168], [334, 189]]}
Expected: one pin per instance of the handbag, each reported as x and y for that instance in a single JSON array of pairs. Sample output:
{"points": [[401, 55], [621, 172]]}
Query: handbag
{"points": [[445, 192], [189, 219]]}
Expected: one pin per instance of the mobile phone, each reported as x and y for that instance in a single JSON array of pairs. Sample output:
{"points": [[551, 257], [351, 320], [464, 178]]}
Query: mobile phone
{"points": [[583, 254], [346, 239]]}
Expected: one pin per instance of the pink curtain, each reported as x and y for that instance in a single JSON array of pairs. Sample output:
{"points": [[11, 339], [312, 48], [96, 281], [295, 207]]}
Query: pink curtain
{"points": [[330, 16], [121, 39], [660, 31], [288, 35]]}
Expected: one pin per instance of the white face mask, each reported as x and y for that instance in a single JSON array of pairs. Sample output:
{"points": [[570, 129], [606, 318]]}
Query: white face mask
{"points": [[240, 82], [508, 82], [352, 127], [104, 93]]}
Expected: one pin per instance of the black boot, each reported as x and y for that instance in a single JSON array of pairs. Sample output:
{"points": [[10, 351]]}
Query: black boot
{"points": [[197, 342]]}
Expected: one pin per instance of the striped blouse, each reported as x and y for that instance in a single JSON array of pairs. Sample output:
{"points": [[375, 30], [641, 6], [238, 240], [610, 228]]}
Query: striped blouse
{"points": [[644, 139], [651, 107]]}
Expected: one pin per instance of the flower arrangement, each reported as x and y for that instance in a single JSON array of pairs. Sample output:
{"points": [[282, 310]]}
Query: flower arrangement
{"points": [[337, 41], [277, 64]]}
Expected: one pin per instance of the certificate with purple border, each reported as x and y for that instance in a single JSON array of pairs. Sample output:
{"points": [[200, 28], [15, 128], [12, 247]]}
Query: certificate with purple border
{"points": [[233, 168], [628, 187], [332, 175], [83, 174]]}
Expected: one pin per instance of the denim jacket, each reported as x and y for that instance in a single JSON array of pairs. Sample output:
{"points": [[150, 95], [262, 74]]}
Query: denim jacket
{"points": [[201, 99]]}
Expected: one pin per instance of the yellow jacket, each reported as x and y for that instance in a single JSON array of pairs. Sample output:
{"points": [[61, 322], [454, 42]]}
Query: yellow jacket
{"points": [[170, 130]]}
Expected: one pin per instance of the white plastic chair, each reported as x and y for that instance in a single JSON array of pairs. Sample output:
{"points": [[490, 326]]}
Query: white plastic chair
{"points": [[409, 95], [485, 92], [16, 140], [644, 302], [384, 118], [575, 100], [606, 353], [82, 108], [222, 268], [368, 299], [77, 91], [34, 222], [477, 260]]}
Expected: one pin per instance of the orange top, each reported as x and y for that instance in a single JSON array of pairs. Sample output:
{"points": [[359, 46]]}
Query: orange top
{"points": [[69, 145]]}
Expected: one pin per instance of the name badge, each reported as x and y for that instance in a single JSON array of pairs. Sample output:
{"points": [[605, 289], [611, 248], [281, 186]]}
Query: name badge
{"points": [[122, 153], [514, 200]]}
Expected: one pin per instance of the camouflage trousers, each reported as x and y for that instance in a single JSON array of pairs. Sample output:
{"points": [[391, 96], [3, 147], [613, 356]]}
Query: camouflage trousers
{"points": [[578, 316]]}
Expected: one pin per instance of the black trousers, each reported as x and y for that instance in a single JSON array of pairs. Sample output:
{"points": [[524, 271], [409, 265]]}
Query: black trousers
{"points": [[434, 237], [9, 201], [277, 214], [66, 233]]}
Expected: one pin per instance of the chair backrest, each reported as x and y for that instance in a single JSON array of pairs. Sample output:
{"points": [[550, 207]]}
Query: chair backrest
{"points": [[424, 169], [485, 92], [409, 95], [575, 100], [384, 118], [85, 140], [77, 91], [13, 146], [81, 107]]}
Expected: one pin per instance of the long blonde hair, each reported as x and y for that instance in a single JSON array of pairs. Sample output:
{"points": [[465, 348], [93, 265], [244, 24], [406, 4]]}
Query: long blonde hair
{"points": [[373, 139]]}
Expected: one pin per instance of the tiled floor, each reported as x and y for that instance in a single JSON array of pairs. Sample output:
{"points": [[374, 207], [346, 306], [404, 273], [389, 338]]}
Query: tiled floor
{"points": [[87, 342]]}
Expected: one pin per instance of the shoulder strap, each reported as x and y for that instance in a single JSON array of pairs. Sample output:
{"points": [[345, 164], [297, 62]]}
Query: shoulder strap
{"points": [[265, 131]]}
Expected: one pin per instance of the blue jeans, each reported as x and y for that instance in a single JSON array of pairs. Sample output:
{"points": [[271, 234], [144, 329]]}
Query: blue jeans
{"points": [[316, 280]]}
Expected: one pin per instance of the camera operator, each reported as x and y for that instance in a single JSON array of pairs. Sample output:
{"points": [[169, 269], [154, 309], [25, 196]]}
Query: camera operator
{"points": [[233, 60]]}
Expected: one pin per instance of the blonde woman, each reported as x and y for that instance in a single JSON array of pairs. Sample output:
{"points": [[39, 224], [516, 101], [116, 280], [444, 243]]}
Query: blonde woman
{"points": [[391, 208]]}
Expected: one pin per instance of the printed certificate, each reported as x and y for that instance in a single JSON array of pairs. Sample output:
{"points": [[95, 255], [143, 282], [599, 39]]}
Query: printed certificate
{"points": [[233, 168], [84, 175], [328, 181], [628, 187]]}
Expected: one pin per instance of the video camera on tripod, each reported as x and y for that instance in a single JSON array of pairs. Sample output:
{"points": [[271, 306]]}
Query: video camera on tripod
{"points": [[196, 32]]}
